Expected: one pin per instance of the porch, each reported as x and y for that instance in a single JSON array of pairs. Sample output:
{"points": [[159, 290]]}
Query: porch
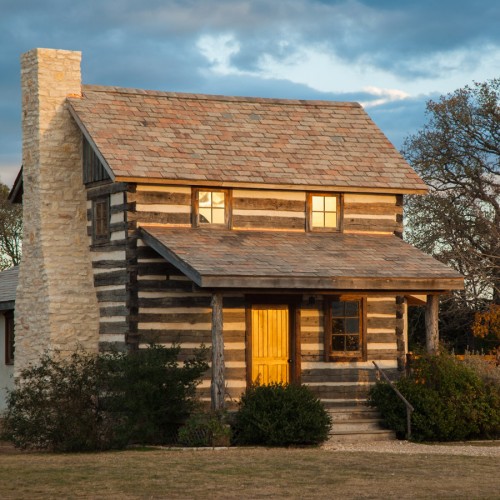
{"points": [[313, 310]]}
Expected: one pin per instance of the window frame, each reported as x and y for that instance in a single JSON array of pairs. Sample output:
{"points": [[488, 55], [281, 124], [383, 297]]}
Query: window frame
{"points": [[361, 353], [195, 203], [309, 209], [10, 346], [105, 235]]}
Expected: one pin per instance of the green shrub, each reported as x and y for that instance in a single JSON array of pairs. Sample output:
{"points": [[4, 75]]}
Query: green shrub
{"points": [[281, 415], [96, 402], [205, 429], [151, 393], [56, 406], [451, 402]]}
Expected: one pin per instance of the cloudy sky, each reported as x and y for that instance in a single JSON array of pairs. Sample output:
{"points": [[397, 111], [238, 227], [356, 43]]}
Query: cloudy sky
{"points": [[390, 55]]}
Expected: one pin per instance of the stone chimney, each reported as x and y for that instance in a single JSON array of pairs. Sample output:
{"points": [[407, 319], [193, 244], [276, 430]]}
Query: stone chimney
{"points": [[56, 305]]}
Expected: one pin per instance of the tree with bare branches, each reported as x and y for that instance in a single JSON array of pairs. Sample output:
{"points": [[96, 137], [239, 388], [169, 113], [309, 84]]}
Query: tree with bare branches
{"points": [[458, 154], [11, 230]]}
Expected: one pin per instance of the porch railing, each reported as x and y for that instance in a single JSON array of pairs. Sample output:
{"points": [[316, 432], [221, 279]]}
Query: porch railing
{"points": [[409, 407]]}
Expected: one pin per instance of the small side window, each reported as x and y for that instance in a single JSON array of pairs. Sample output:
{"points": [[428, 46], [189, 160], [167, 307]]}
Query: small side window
{"points": [[323, 211], [100, 220]]}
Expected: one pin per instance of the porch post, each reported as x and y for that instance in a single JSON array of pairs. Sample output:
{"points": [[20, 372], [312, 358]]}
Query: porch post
{"points": [[217, 387], [431, 324], [400, 332]]}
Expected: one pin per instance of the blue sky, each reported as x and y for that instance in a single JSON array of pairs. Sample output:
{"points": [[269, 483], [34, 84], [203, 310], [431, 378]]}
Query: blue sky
{"points": [[390, 55]]}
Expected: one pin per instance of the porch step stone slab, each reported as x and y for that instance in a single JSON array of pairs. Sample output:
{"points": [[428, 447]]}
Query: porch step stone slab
{"points": [[353, 423], [372, 435]]}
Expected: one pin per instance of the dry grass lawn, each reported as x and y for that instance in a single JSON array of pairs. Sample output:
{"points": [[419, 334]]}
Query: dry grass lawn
{"points": [[246, 473]]}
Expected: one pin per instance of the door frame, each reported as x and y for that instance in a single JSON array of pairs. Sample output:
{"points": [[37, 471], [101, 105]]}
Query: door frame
{"points": [[293, 303]]}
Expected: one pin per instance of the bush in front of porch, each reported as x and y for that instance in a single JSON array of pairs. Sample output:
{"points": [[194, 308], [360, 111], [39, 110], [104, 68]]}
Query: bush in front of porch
{"points": [[452, 401], [281, 414]]}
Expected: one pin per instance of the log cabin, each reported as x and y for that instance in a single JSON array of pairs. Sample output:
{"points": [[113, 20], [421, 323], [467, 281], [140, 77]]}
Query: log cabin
{"points": [[269, 230]]}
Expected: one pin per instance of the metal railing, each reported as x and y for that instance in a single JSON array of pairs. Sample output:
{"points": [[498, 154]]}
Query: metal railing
{"points": [[409, 407]]}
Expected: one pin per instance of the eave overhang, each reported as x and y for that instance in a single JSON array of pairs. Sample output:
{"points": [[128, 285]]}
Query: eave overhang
{"points": [[300, 261]]}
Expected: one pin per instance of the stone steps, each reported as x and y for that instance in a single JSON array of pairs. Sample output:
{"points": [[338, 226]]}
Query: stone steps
{"points": [[357, 423]]}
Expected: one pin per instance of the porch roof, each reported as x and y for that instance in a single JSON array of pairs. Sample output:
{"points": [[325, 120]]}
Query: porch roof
{"points": [[220, 258]]}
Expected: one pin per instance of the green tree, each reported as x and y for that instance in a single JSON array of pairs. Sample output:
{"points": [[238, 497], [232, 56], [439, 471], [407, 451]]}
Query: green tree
{"points": [[11, 230], [457, 153]]}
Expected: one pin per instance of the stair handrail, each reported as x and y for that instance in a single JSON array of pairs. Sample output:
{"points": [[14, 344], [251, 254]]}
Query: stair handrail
{"points": [[409, 407]]}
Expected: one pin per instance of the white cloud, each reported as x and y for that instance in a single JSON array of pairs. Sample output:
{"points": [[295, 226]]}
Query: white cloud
{"points": [[322, 70], [218, 50], [384, 96]]}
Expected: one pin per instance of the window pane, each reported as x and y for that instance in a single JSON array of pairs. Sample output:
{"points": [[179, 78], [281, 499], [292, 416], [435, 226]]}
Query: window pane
{"points": [[318, 219], [338, 309], [318, 203], [338, 326], [338, 343], [346, 327], [351, 308], [205, 198], [352, 343], [330, 219], [218, 216], [352, 325], [330, 203], [205, 215], [217, 199]]}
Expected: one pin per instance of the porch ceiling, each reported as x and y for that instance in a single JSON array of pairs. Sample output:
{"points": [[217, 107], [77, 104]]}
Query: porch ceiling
{"points": [[220, 258]]}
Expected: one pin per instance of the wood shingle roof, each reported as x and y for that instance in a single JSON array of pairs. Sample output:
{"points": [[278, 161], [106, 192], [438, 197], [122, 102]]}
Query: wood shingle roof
{"points": [[148, 136], [289, 260]]}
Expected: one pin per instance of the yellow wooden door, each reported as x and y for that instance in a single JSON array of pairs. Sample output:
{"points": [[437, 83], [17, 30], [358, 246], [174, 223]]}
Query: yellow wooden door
{"points": [[270, 344]]}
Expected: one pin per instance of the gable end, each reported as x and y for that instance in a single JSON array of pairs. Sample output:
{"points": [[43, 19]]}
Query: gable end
{"points": [[93, 169]]}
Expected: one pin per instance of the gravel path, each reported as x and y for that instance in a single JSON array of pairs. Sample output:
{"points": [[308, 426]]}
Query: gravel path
{"points": [[473, 448]]}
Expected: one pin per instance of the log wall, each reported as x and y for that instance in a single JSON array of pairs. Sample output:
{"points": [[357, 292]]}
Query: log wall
{"points": [[268, 210], [142, 298], [109, 263], [375, 214], [166, 205], [339, 383], [172, 310]]}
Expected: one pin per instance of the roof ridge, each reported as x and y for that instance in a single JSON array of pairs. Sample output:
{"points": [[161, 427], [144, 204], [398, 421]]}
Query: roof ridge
{"points": [[216, 97]]}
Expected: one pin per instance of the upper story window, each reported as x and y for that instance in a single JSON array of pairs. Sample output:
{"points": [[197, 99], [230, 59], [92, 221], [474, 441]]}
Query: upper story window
{"points": [[211, 207], [323, 212], [344, 329], [100, 220]]}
